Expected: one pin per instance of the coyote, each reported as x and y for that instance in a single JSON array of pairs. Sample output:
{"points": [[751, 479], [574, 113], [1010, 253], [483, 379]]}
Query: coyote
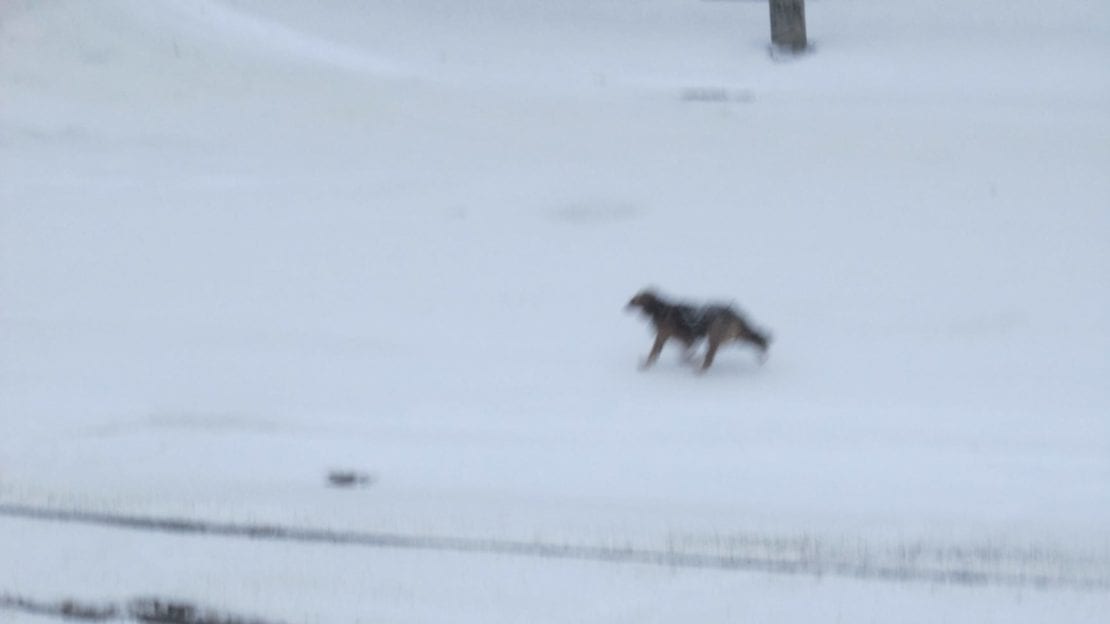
{"points": [[716, 323]]}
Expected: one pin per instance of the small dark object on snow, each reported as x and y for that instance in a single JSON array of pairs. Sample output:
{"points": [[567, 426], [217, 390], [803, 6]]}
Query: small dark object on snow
{"points": [[158, 611], [163, 611], [67, 609], [349, 478], [78, 611], [716, 94]]}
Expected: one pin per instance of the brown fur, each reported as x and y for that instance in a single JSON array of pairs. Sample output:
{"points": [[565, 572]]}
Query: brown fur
{"points": [[717, 324]]}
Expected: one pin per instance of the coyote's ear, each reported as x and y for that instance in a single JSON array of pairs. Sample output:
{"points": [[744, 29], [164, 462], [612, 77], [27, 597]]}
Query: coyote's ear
{"points": [[642, 298]]}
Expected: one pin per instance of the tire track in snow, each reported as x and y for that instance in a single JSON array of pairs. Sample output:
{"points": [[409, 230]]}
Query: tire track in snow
{"points": [[146, 610], [964, 575]]}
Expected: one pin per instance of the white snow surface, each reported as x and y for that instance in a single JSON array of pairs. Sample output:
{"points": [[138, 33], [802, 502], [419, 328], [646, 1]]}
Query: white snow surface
{"points": [[246, 242]]}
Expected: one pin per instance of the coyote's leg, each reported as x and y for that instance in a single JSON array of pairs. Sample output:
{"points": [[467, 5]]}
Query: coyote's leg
{"points": [[656, 349]]}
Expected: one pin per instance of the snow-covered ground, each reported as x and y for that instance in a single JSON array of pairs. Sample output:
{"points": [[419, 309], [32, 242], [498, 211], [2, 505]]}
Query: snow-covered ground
{"points": [[246, 242]]}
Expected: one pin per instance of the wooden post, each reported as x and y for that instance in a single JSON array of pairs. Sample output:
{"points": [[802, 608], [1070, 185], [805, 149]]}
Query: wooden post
{"points": [[788, 25]]}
